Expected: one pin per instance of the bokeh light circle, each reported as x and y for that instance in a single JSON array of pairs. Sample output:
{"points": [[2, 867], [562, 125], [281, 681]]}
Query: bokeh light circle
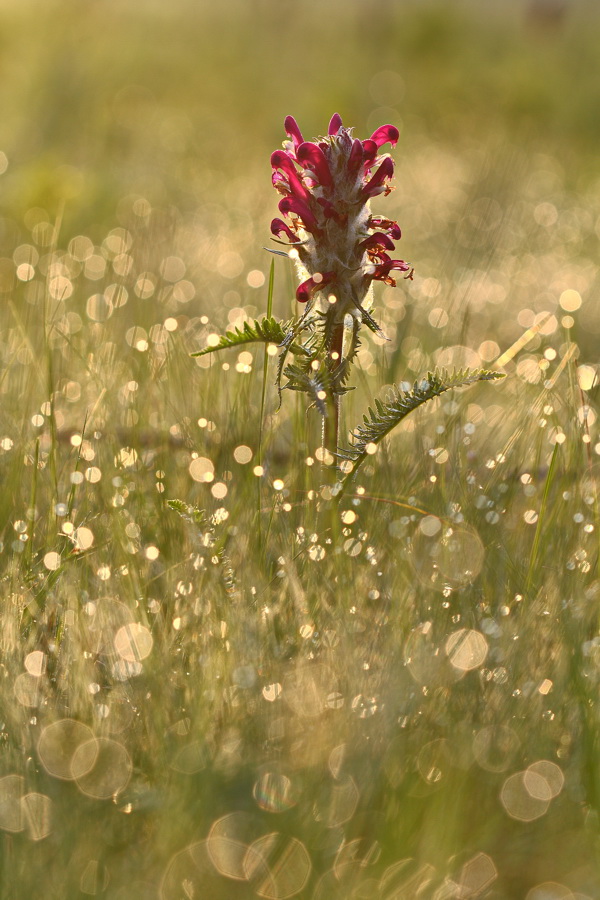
{"points": [[101, 768], [58, 744], [452, 556], [133, 642]]}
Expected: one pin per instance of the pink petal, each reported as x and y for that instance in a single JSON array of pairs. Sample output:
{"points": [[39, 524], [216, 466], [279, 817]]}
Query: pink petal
{"points": [[392, 228], [295, 205], [312, 157], [369, 152], [335, 124], [356, 156], [282, 160], [308, 288], [376, 184], [382, 271], [278, 227], [384, 134], [377, 241], [292, 130]]}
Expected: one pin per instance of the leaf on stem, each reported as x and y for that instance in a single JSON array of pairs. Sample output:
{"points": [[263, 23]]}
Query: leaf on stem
{"points": [[386, 415], [268, 330]]}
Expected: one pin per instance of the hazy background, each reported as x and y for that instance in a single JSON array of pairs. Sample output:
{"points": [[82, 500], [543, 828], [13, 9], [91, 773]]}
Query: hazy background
{"points": [[180, 104], [293, 677]]}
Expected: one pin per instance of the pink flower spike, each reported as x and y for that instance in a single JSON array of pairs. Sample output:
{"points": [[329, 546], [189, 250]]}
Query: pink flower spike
{"points": [[308, 288], [377, 241], [292, 130], [376, 184], [331, 212], [295, 205], [384, 134], [312, 157], [278, 227], [335, 124]]}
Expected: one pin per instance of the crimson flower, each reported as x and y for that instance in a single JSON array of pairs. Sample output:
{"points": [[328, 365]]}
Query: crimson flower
{"points": [[326, 185]]}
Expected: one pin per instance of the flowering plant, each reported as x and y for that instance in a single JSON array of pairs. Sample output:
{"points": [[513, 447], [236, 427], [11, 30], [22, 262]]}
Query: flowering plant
{"points": [[340, 249], [339, 246]]}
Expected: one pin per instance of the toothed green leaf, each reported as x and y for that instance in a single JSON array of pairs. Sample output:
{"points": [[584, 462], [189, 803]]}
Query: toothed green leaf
{"points": [[309, 382], [268, 330], [186, 511], [386, 415]]}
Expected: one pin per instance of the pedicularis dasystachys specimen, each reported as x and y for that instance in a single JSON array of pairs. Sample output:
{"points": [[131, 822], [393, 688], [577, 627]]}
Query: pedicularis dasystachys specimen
{"points": [[327, 185], [340, 249], [339, 246]]}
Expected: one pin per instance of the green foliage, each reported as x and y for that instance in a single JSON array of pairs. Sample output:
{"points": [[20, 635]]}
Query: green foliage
{"points": [[188, 512], [388, 414], [317, 384], [266, 330]]}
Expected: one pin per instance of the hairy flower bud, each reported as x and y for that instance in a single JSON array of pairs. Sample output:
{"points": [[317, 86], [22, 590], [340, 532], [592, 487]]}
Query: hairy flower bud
{"points": [[327, 184]]}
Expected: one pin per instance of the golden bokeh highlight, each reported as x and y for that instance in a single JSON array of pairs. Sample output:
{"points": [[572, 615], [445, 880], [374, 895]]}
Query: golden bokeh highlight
{"points": [[544, 779], [58, 743], [228, 841], [278, 866], [425, 659], [477, 875], [133, 642], [405, 878], [337, 802], [466, 649], [102, 768], [434, 761], [28, 689], [83, 538], [94, 878], [190, 874], [12, 789], [495, 747], [451, 557], [202, 469], [35, 663], [243, 454], [525, 800], [37, 809], [552, 890], [275, 792]]}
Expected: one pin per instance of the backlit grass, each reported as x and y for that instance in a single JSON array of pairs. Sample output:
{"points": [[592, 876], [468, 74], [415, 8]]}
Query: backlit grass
{"points": [[261, 691]]}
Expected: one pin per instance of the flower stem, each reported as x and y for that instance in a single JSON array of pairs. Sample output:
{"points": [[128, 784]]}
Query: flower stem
{"points": [[331, 430]]}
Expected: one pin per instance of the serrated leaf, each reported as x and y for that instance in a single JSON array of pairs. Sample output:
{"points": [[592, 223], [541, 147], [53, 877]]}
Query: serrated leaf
{"points": [[267, 330], [378, 423], [312, 383], [187, 511]]}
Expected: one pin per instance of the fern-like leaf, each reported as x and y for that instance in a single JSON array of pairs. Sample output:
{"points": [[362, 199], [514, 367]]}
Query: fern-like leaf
{"points": [[268, 330], [316, 384], [187, 511], [341, 373], [386, 415]]}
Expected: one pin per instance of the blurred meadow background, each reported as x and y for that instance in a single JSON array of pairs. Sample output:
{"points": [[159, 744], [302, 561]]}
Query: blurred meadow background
{"points": [[264, 693]]}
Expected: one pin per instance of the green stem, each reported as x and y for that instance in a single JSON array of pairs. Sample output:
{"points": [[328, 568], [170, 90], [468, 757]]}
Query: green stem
{"points": [[262, 408], [331, 425]]}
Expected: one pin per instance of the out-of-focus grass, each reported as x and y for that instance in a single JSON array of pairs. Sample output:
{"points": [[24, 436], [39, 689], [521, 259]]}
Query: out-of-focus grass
{"points": [[369, 682]]}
